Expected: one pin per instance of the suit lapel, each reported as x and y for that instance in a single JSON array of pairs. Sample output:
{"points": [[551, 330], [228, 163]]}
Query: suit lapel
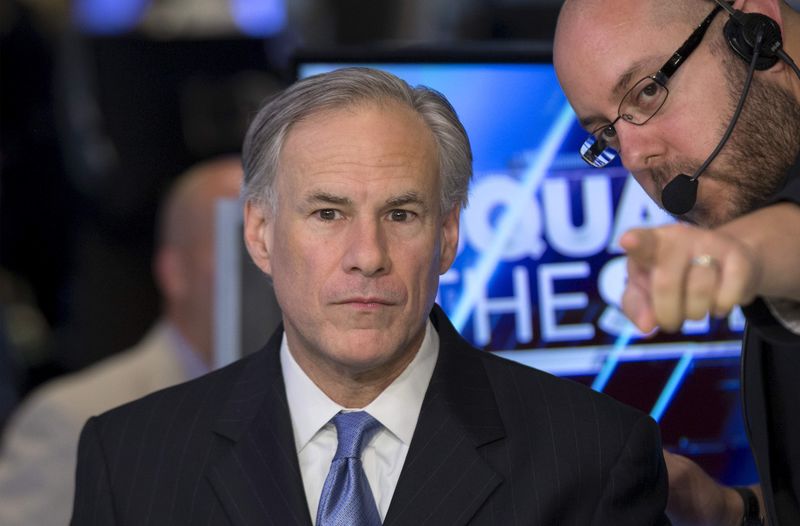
{"points": [[258, 478], [445, 480]]}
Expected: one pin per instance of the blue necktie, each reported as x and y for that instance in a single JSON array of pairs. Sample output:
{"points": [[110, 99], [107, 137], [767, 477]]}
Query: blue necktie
{"points": [[346, 498]]}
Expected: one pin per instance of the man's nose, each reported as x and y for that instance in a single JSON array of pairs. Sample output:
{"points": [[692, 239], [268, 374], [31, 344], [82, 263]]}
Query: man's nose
{"points": [[367, 248], [640, 145]]}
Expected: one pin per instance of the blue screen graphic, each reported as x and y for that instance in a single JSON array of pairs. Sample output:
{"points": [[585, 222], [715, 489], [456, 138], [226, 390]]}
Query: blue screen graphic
{"points": [[539, 274]]}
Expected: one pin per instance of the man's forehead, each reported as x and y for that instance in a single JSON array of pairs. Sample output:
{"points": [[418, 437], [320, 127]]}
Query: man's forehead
{"points": [[598, 56], [608, 33], [347, 176]]}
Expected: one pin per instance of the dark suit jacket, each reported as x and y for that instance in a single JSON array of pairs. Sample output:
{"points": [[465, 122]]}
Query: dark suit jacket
{"points": [[770, 375], [770, 372], [496, 443]]}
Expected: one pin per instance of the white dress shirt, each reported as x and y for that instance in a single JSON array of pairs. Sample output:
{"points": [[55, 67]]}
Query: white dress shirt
{"points": [[397, 408]]}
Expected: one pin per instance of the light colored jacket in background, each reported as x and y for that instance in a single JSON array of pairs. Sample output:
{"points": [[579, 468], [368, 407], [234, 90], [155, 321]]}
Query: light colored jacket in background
{"points": [[39, 446]]}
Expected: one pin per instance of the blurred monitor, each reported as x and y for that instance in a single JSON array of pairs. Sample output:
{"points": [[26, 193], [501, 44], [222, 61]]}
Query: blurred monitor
{"points": [[539, 273]]}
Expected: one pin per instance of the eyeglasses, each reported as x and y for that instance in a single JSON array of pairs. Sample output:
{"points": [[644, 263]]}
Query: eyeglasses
{"points": [[642, 101]]}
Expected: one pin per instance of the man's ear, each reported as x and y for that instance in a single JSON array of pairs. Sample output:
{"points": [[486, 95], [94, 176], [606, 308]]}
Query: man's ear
{"points": [[772, 10], [258, 234], [449, 245], [169, 274]]}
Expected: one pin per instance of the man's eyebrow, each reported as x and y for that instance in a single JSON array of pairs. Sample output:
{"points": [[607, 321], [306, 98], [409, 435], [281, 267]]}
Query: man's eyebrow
{"points": [[638, 70], [320, 197], [406, 199], [328, 198], [403, 199], [624, 81]]}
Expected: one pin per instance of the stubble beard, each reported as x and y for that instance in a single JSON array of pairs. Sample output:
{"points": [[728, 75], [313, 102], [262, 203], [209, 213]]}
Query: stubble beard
{"points": [[753, 164], [764, 143]]}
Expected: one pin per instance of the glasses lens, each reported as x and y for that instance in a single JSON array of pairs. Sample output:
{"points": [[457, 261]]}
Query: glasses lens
{"points": [[643, 100], [596, 150]]}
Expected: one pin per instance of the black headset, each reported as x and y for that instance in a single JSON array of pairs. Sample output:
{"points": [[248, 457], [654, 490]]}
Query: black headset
{"points": [[756, 38], [741, 31]]}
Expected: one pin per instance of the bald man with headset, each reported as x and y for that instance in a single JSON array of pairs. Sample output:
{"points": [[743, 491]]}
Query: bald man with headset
{"points": [[701, 101]]}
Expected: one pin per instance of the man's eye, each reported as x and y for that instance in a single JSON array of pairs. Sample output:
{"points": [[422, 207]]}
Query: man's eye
{"points": [[327, 214], [608, 133], [401, 215], [650, 96], [650, 90]]}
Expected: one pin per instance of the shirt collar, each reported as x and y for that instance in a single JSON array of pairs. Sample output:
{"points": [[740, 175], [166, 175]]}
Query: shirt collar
{"points": [[397, 408]]}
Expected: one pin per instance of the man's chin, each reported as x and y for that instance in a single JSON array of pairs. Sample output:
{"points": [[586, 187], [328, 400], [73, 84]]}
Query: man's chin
{"points": [[700, 218], [368, 363]]}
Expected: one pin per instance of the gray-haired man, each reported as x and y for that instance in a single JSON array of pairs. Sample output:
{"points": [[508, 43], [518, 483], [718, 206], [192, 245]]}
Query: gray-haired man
{"points": [[366, 406]]}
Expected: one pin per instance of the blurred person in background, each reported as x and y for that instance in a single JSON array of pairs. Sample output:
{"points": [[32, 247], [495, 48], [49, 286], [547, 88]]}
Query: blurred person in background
{"points": [[38, 455], [25, 338]]}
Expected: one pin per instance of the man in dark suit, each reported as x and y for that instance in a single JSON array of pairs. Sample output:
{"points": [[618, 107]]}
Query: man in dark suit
{"points": [[354, 184]]}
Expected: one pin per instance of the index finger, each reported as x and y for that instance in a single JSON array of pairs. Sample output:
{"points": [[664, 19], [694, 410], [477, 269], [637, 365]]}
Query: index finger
{"points": [[640, 244]]}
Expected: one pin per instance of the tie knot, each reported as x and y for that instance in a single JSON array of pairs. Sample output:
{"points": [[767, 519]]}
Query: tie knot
{"points": [[353, 430]]}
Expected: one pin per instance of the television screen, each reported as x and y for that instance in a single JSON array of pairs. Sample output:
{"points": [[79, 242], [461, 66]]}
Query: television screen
{"points": [[539, 273]]}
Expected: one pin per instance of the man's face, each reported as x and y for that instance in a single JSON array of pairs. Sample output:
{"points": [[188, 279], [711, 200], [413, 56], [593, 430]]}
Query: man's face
{"points": [[603, 50], [357, 239]]}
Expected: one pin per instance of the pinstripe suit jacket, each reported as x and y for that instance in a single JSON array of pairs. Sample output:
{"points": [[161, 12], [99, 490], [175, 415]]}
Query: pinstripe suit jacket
{"points": [[496, 443]]}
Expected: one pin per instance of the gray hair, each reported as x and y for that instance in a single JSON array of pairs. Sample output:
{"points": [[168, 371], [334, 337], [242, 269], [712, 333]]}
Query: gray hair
{"points": [[343, 88]]}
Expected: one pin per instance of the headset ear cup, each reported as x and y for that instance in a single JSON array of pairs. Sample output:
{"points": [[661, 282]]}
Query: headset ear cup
{"points": [[741, 31]]}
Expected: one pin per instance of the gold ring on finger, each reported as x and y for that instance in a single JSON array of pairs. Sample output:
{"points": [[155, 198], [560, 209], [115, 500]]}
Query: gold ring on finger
{"points": [[705, 260]]}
